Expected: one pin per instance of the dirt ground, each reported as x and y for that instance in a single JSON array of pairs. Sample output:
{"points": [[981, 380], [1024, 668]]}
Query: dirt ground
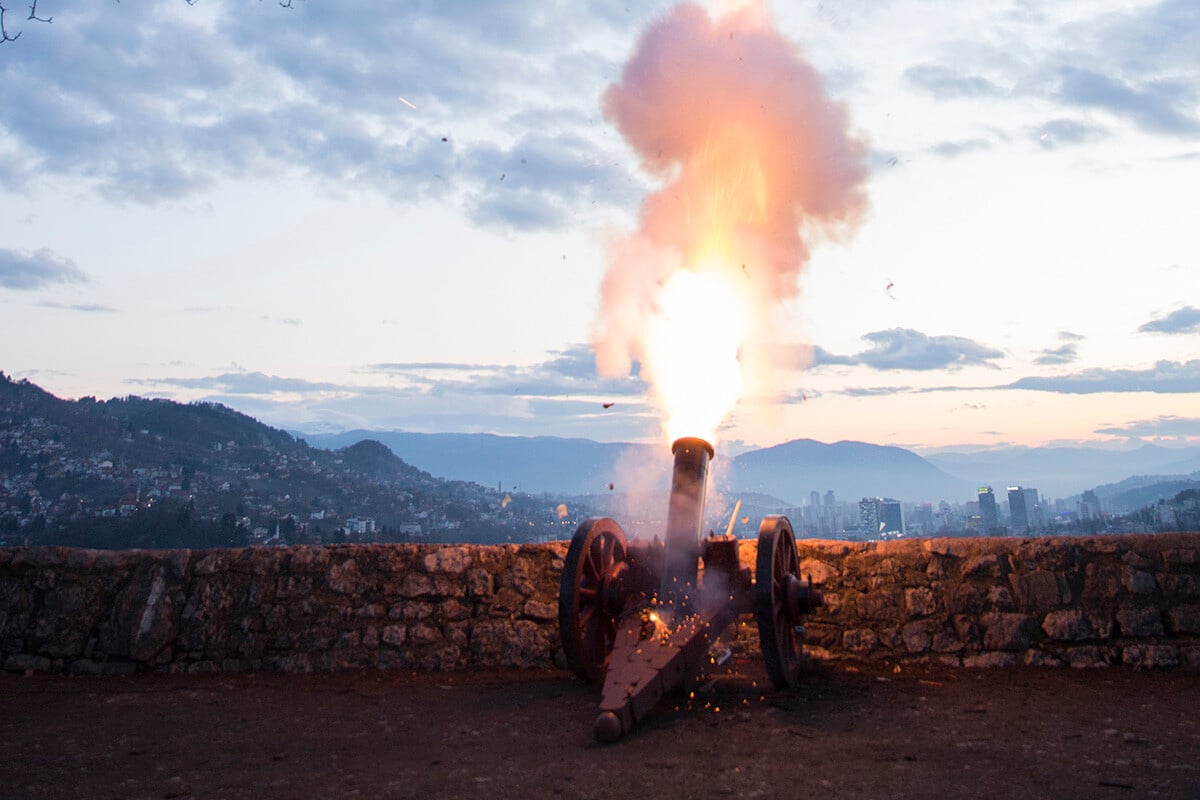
{"points": [[845, 733]]}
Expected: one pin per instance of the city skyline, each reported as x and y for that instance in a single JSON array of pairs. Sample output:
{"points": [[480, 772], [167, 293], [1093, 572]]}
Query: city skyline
{"points": [[382, 218]]}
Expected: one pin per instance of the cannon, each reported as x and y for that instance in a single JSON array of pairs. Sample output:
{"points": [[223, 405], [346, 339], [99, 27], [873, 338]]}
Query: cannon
{"points": [[641, 616]]}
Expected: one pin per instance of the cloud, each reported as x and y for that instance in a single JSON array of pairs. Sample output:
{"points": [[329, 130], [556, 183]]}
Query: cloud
{"points": [[1154, 105], [1181, 320], [248, 383], [569, 372], [961, 147], [90, 308], [907, 349], [944, 82], [260, 92], [36, 270], [558, 395], [1065, 353], [1067, 132], [1165, 426], [876, 391], [1165, 377]]}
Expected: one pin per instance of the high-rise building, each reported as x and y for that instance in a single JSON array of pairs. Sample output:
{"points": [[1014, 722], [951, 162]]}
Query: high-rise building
{"points": [[870, 514], [988, 518], [830, 513], [891, 517], [1033, 510], [1017, 509], [922, 519], [1089, 505]]}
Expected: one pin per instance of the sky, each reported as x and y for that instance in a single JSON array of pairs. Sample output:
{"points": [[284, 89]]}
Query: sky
{"points": [[399, 216]]}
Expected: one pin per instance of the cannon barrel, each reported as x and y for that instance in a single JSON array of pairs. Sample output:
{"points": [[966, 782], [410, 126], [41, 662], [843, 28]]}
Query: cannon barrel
{"points": [[685, 518]]}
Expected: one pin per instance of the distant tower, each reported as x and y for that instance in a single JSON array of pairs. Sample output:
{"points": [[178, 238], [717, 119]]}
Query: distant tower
{"points": [[870, 514], [892, 516], [1017, 509], [1034, 510], [830, 514], [988, 518]]}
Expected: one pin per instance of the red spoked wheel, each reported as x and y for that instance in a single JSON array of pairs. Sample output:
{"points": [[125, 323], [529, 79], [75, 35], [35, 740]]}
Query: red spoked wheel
{"points": [[587, 628], [778, 566]]}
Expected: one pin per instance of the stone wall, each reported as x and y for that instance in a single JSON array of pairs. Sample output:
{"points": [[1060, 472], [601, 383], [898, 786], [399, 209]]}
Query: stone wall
{"points": [[285, 608], [1082, 602]]}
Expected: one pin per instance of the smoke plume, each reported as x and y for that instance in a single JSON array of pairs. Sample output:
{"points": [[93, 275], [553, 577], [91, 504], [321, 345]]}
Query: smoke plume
{"points": [[754, 159]]}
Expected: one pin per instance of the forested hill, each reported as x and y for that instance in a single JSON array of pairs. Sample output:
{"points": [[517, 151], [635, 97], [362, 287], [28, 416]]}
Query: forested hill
{"points": [[133, 471]]}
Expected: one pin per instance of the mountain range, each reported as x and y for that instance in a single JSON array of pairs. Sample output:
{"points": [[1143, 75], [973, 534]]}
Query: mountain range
{"points": [[788, 472]]}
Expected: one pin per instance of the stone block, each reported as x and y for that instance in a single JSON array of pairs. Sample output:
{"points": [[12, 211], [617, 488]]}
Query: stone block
{"points": [[1070, 625], [1011, 632], [457, 633], [966, 627], [1102, 622], [981, 566], [508, 600], [479, 583], [1179, 587], [918, 636], [822, 574], [878, 605], [424, 633], [454, 609], [1000, 598], [1150, 656], [1180, 556], [346, 578], [1143, 621], [510, 643], [450, 585], [536, 609], [1137, 561], [1101, 585], [1136, 581], [1038, 658], [416, 584], [1040, 590], [395, 635], [967, 599], [1090, 657], [451, 560], [920, 602], [989, 660], [859, 640], [1184, 619], [411, 611]]}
